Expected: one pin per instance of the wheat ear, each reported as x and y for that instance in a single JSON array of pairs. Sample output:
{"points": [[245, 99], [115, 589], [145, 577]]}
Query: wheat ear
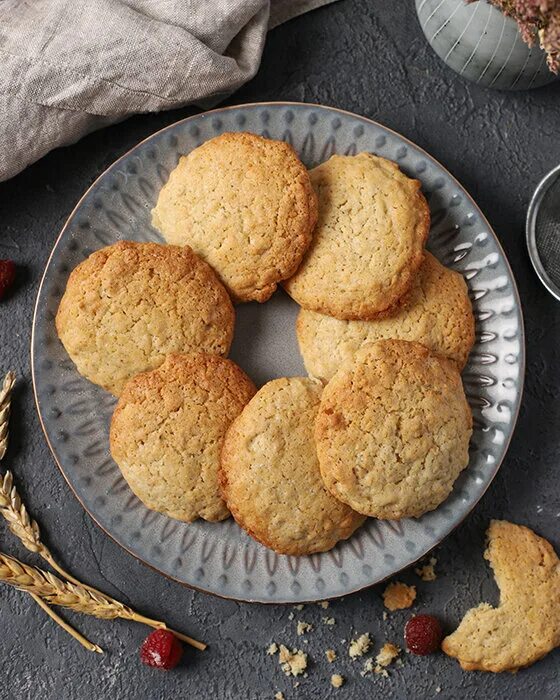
{"points": [[27, 531], [5, 401], [66, 594]]}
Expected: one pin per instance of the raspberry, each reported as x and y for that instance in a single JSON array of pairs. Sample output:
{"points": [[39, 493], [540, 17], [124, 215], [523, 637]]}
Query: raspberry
{"points": [[161, 649], [7, 276], [422, 634]]}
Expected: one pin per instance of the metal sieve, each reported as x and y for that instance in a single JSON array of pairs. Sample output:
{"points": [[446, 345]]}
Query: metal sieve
{"points": [[543, 231]]}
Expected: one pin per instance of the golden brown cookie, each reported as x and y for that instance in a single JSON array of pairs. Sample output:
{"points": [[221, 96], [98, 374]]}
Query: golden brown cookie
{"points": [[393, 430], [130, 304], [369, 240], [245, 204], [526, 624], [437, 313], [270, 476], [167, 432]]}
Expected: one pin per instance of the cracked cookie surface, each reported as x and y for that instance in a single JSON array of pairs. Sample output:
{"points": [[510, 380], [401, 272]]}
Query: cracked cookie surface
{"points": [[526, 624], [393, 430], [270, 475], [246, 205], [369, 240], [130, 304], [167, 432], [437, 312]]}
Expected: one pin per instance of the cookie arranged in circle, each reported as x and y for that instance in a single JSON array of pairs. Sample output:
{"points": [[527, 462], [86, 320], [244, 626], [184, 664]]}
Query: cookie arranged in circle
{"points": [[130, 304], [437, 312], [246, 205], [168, 428], [393, 430], [369, 240], [526, 624], [270, 475]]}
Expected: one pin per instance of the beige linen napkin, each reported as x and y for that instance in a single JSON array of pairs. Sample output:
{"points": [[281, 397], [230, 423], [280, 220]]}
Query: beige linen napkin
{"points": [[68, 67]]}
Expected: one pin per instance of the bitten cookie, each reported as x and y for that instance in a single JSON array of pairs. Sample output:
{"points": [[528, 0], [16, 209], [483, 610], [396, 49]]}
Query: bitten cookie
{"points": [[526, 624], [167, 432], [129, 305], [437, 312], [393, 430], [245, 204], [270, 476], [369, 240]]}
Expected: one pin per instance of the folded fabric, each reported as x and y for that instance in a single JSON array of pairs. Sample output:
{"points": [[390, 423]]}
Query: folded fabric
{"points": [[72, 66]]}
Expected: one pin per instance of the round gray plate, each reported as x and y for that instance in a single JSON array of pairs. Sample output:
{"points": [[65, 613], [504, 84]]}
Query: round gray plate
{"points": [[220, 558]]}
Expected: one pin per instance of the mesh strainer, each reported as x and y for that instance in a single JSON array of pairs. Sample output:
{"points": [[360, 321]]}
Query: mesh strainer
{"points": [[543, 231]]}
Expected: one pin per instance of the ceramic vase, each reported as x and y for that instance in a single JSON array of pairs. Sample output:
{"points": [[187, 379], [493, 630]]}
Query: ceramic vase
{"points": [[481, 44]]}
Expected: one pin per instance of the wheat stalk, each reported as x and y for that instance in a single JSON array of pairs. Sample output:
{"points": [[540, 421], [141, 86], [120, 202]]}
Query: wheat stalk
{"points": [[65, 626], [27, 530], [22, 526], [55, 591]]}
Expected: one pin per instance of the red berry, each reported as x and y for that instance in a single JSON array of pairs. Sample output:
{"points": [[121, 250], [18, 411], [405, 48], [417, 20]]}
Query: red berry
{"points": [[161, 649], [7, 276], [422, 634]]}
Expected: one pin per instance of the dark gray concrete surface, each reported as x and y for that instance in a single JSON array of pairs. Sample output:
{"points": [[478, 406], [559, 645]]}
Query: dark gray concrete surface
{"points": [[371, 58]]}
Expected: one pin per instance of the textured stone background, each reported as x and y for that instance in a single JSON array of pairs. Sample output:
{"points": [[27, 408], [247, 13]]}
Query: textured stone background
{"points": [[370, 58]]}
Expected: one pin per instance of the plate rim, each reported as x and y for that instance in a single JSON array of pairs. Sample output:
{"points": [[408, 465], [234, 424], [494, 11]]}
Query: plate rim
{"points": [[522, 363]]}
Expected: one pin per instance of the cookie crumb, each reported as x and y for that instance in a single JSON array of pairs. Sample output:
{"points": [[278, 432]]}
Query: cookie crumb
{"points": [[299, 607], [337, 680], [381, 671], [385, 616], [272, 649], [329, 621], [427, 572], [293, 662], [331, 655], [303, 627], [279, 696], [387, 654], [324, 604], [359, 646], [291, 616], [398, 596], [368, 667], [438, 689]]}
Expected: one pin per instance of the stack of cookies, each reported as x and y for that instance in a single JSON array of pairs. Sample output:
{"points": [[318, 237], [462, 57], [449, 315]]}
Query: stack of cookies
{"points": [[381, 426]]}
